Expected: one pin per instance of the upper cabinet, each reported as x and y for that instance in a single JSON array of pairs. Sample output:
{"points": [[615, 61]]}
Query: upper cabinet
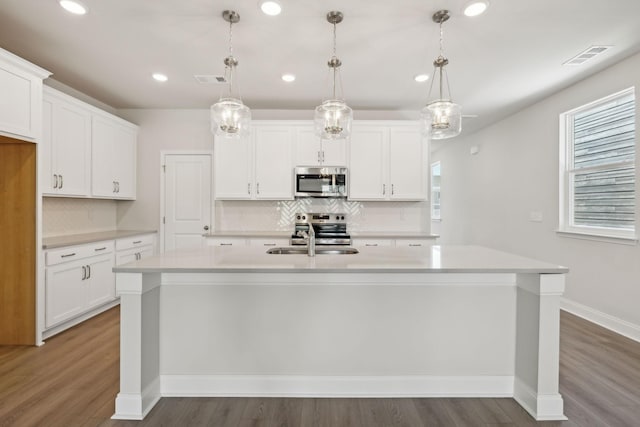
{"points": [[20, 97], [113, 157], [388, 161], [66, 146], [255, 168], [312, 151], [86, 152]]}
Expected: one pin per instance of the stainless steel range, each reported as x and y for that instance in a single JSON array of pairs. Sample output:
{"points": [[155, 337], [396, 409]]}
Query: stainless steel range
{"points": [[329, 228]]}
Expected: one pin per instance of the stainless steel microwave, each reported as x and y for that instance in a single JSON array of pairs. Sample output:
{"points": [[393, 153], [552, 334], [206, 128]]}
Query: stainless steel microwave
{"points": [[329, 181]]}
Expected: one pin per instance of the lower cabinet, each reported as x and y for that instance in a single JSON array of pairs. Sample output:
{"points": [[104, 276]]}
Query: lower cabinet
{"points": [[78, 279]]}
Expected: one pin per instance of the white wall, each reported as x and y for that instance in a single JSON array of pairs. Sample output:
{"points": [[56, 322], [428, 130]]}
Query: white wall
{"points": [[487, 199]]}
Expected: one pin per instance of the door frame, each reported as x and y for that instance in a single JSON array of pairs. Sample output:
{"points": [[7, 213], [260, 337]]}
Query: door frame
{"points": [[163, 160]]}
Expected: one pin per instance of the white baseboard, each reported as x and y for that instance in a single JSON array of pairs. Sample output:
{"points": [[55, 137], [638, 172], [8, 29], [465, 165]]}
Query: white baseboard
{"points": [[548, 407], [617, 325], [335, 386], [136, 406], [77, 320]]}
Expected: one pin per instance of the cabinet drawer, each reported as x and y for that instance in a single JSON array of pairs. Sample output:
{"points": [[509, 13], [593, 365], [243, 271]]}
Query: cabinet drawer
{"points": [[372, 242], [226, 241], [134, 242], [413, 243], [72, 253], [268, 243]]}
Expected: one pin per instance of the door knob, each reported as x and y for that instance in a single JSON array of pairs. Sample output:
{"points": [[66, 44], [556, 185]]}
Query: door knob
{"points": [[206, 228]]}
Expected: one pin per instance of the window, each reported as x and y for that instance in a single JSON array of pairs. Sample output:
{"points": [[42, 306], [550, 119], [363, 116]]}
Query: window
{"points": [[598, 167], [435, 191]]}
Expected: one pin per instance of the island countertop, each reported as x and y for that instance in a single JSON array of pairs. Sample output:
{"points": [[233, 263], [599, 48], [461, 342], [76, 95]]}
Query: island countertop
{"points": [[430, 259]]}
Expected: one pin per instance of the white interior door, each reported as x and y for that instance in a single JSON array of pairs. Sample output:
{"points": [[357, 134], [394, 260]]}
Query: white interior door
{"points": [[187, 200]]}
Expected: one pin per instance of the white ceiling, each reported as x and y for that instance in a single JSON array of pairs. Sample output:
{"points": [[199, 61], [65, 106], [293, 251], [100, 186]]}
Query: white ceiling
{"points": [[500, 62]]}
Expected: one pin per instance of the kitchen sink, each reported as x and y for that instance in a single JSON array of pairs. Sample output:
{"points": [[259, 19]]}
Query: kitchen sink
{"points": [[327, 250]]}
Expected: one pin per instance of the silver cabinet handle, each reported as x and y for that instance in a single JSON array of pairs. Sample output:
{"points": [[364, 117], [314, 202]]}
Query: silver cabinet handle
{"points": [[61, 182], [89, 272], [323, 157], [384, 189], [226, 244], [68, 255], [114, 186], [371, 244], [100, 249], [117, 186], [269, 244], [249, 188], [257, 188], [55, 180], [415, 244], [392, 190], [84, 272], [137, 242]]}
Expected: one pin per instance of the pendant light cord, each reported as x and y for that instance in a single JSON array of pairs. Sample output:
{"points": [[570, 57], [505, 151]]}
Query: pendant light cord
{"points": [[334, 56]]}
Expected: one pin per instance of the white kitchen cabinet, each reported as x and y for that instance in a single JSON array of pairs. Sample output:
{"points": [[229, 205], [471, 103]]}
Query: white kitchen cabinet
{"points": [[113, 157], [268, 242], [313, 151], [226, 241], [372, 242], [388, 161], [255, 168], [66, 146], [20, 97], [77, 280], [134, 248]]}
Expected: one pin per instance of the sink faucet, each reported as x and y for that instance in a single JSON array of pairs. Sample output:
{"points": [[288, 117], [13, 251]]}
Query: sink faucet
{"points": [[310, 238]]}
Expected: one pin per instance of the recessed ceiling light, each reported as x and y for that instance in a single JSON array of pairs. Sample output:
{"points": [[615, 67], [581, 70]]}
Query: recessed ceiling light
{"points": [[270, 7], [420, 78], [288, 77], [160, 77], [75, 7], [476, 7]]}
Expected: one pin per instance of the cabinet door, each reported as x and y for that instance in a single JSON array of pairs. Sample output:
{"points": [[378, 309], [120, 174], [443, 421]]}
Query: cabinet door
{"points": [[232, 174], [65, 292], [21, 99], [408, 164], [124, 155], [273, 163], [334, 153], [71, 145], [101, 284], [103, 140], [368, 170], [308, 151]]}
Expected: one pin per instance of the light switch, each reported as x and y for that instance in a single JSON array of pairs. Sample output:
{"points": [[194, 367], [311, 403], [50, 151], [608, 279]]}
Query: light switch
{"points": [[535, 216]]}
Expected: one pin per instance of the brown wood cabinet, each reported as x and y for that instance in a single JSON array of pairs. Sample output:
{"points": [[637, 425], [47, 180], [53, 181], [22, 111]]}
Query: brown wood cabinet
{"points": [[17, 242]]}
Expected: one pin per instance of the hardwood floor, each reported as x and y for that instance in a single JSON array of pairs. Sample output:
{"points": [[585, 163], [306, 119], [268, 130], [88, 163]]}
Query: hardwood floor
{"points": [[73, 380]]}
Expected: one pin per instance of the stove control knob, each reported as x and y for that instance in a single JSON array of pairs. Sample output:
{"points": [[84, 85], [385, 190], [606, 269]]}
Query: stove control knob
{"points": [[304, 217], [337, 217], [342, 217], [298, 217]]}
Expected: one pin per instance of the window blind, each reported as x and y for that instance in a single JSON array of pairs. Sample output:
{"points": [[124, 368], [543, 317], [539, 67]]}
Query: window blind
{"points": [[603, 169]]}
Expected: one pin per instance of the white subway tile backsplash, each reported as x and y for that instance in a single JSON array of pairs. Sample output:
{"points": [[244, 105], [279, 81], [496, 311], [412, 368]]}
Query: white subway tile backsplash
{"points": [[279, 215], [63, 216]]}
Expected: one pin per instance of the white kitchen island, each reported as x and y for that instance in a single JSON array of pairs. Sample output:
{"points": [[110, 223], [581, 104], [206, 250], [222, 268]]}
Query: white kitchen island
{"points": [[456, 321]]}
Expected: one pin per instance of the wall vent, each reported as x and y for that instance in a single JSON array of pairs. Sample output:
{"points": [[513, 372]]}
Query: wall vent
{"points": [[209, 79], [586, 55]]}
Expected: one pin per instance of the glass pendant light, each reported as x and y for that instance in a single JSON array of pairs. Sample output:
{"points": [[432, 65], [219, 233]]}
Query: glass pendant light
{"points": [[441, 118], [229, 116], [333, 117]]}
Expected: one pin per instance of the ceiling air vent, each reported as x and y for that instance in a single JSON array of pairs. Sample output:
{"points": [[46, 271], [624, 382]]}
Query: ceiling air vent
{"points": [[208, 79], [586, 55]]}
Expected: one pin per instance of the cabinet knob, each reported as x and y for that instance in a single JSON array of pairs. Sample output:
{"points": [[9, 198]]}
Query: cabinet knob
{"points": [[206, 228]]}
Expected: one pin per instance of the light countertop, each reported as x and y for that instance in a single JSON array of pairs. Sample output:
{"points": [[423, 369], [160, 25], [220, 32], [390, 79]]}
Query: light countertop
{"points": [[431, 259], [80, 239]]}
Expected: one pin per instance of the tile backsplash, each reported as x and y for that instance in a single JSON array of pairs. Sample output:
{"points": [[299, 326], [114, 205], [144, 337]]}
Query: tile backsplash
{"points": [[362, 216], [64, 216]]}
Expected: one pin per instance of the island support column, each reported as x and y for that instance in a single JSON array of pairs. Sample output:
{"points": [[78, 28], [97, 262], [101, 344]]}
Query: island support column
{"points": [[538, 345], [139, 344]]}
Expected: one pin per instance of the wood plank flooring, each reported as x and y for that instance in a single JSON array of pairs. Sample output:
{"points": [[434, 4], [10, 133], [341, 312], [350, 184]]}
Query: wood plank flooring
{"points": [[73, 380]]}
